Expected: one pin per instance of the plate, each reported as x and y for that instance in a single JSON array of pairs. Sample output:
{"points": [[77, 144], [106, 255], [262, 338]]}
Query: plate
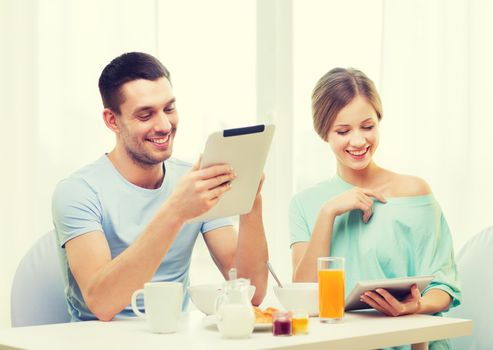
{"points": [[262, 326], [211, 320]]}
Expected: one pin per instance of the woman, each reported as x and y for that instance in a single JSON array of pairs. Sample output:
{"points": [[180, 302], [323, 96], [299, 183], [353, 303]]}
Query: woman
{"points": [[385, 224]]}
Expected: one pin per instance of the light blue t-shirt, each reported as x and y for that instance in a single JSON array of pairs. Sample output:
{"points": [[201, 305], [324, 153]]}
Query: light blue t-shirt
{"points": [[98, 198], [407, 236]]}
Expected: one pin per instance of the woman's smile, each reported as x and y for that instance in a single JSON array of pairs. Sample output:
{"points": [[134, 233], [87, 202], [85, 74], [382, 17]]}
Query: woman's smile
{"points": [[358, 154]]}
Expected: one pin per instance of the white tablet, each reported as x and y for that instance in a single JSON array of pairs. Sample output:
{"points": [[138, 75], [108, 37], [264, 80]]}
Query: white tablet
{"points": [[398, 287], [246, 150]]}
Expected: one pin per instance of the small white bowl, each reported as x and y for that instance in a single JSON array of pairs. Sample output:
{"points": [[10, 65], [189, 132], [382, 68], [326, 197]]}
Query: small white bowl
{"points": [[204, 296], [299, 296]]}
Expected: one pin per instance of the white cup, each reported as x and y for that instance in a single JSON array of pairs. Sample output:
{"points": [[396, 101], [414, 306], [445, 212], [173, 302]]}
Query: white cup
{"points": [[162, 303]]}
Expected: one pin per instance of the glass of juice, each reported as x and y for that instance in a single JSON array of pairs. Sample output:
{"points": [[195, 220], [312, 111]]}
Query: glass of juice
{"points": [[331, 288]]}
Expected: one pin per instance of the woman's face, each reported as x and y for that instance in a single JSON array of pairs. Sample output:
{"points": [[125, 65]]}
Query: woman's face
{"points": [[353, 136]]}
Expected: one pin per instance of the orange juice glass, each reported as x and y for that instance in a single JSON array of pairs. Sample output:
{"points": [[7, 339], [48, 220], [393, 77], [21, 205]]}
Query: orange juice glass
{"points": [[331, 288]]}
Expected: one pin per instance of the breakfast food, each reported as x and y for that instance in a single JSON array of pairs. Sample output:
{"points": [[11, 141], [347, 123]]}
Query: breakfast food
{"points": [[264, 316]]}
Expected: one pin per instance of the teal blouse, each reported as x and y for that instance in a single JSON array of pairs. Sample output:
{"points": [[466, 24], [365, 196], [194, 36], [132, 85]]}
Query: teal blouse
{"points": [[407, 236]]}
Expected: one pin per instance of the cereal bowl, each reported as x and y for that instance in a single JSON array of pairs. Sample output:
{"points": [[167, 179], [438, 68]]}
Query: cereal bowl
{"points": [[298, 296]]}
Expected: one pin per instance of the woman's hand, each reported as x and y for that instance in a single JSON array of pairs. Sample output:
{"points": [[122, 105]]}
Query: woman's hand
{"points": [[383, 301], [355, 198]]}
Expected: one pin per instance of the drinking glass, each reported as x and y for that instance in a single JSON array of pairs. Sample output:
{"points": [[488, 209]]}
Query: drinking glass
{"points": [[331, 288]]}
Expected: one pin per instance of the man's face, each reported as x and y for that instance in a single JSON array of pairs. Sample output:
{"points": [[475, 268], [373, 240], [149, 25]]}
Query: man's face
{"points": [[148, 121]]}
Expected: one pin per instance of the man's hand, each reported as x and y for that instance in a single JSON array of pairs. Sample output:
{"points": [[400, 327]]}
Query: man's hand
{"points": [[200, 189], [386, 303]]}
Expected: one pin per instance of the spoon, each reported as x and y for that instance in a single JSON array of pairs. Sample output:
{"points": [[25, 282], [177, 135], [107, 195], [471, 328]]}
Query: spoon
{"points": [[232, 274], [269, 266]]}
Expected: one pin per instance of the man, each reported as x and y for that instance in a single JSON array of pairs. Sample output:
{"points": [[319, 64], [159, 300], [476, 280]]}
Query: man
{"points": [[122, 220]]}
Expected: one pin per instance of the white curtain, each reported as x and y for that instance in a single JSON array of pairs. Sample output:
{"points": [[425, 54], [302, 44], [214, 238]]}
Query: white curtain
{"points": [[52, 53], [431, 61], [212, 62], [18, 143], [238, 63], [436, 87]]}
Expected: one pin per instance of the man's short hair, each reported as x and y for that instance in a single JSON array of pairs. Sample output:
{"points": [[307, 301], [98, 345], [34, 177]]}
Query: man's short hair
{"points": [[127, 67]]}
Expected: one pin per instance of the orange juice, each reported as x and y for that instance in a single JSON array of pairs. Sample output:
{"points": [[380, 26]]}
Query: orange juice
{"points": [[331, 294]]}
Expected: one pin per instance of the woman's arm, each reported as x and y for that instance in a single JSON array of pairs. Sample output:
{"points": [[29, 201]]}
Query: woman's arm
{"points": [[304, 255], [435, 300]]}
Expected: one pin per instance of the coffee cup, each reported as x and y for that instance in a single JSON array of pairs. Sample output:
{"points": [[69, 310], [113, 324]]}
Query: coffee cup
{"points": [[162, 304]]}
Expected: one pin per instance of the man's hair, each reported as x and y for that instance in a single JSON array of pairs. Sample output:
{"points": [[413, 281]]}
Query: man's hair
{"points": [[127, 67], [334, 91]]}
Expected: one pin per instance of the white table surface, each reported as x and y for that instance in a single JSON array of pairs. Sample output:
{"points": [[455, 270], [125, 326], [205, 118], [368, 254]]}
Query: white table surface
{"points": [[366, 330]]}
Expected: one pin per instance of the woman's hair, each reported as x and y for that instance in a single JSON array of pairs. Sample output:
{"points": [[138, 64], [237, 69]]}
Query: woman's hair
{"points": [[334, 91]]}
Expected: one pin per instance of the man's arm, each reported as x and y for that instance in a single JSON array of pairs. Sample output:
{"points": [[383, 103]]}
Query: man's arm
{"points": [[247, 252], [106, 284], [252, 254]]}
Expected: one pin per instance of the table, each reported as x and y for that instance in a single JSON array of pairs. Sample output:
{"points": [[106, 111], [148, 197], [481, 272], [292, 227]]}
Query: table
{"points": [[359, 330]]}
